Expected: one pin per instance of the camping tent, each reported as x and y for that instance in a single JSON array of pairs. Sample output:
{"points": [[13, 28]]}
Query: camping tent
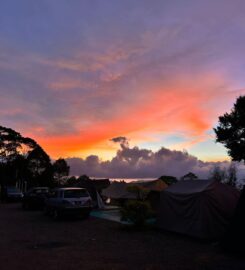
{"points": [[234, 237], [199, 208], [119, 190]]}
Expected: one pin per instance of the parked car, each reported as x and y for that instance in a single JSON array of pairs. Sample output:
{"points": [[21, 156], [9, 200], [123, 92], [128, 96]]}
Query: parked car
{"points": [[35, 198], [13, 194], [68, 201]]}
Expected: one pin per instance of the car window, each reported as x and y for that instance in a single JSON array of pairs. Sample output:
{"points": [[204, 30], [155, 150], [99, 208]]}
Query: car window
{"points": [[77, 193]]}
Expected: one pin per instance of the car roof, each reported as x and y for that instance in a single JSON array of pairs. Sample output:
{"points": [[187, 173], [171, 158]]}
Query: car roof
{"points": [[71, 188]]}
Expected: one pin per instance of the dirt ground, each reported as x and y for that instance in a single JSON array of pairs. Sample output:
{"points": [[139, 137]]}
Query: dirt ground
{"points": [[29, 240]]}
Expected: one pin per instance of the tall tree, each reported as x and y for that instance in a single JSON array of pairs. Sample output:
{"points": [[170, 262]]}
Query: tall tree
{"points": [[60, 168], [231, 130], [13, 144], [22, 160], [218, 174], [39, 168], [13, 150], [232, 175]]}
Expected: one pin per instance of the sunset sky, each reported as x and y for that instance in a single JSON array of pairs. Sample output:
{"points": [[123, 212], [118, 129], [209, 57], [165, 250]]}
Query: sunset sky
{"points": [[75, 74]]}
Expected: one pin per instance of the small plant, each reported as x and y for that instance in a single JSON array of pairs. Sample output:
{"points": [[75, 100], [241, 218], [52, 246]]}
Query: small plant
{"points": [[136, 212]]}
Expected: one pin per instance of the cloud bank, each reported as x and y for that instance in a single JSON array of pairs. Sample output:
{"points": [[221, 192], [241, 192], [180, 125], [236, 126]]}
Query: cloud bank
{"points": [[144, 163]]}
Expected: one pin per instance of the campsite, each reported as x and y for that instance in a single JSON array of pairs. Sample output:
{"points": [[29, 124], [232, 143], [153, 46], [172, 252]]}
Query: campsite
{"points": [[122, 135], [191, 217], [29, 240]]}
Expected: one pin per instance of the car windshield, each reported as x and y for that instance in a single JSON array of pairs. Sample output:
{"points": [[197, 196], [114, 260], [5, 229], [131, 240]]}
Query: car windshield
{"points": [[75, 193]]}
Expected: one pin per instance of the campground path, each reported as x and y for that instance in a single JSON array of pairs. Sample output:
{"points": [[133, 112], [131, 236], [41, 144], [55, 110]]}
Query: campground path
{"points": [[31, 241]]}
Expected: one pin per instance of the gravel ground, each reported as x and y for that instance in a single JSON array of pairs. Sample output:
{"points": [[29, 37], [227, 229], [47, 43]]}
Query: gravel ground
{"points": [[29, 240]]}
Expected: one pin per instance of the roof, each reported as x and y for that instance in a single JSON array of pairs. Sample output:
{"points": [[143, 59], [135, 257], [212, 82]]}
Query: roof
{"points": [[189, 186], [119, 190], [155, 185]]}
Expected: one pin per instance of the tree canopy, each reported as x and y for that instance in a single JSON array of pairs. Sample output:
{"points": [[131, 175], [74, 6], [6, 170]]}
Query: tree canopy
{"points": [[60, 168], [230, 130], [12, 144], [168, 179], [22, 160], [189, 176]]}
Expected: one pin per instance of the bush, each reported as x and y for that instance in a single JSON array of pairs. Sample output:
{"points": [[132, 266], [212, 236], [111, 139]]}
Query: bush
{"points": [[136, 212]]}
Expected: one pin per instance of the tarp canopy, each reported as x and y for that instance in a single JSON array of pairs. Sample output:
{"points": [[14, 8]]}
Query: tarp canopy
{"points": [[119, 190], [199, 208]]}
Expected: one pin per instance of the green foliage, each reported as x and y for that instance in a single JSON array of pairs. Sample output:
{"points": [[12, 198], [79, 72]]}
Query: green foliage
{"points": [[136, 212], [169, 180], [231, 130]]}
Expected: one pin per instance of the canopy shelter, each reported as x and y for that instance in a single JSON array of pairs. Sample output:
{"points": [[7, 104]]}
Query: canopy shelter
{"points": [[199, 208]]}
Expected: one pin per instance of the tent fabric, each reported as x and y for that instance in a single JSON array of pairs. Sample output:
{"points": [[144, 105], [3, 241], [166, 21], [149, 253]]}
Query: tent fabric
{"points": [[118, 190], [199, 208], [234, 237]]}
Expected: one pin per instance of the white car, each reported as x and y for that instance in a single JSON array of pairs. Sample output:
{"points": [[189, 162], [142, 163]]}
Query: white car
{"points": [[68, 201]]}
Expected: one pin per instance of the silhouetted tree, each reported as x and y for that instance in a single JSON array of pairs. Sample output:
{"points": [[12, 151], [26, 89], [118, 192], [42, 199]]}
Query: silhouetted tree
{"points": [[169, 180], [71, 181], [13, 144], [231, 130], [218, 174], [232, 175], [13, 151], [60, 168], [189, 176], [39, 168]]}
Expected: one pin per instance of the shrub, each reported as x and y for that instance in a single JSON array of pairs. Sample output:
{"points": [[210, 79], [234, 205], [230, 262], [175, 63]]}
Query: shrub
{"points": [[136, 212]]}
